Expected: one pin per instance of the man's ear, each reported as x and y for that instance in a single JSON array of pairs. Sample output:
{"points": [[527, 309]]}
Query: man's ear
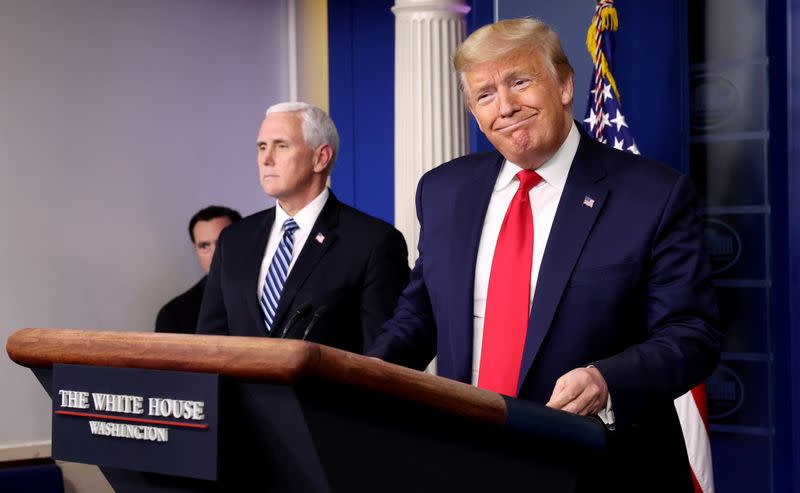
{"points": [[322, 158], [567, 91]]}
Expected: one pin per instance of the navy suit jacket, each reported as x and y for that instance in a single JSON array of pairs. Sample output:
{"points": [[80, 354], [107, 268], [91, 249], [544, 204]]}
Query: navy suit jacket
{"points": [[358, 272], [180, 314], [623, 285]]}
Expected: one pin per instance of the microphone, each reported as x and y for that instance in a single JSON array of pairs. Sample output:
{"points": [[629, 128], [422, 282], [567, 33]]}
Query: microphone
{"points": [[301, 312], [314, 319]]}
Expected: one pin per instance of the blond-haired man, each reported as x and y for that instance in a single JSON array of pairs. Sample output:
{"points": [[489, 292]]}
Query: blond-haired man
{"points": [[559, 270]]}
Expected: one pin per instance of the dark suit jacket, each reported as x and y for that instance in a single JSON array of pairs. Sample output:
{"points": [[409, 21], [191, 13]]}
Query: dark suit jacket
{"points": [[180, 314], [623, 285], [357, 272]]}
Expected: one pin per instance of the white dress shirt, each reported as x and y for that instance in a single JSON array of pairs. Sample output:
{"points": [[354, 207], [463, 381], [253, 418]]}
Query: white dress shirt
{"points": [[544, 199], [305, 219]]}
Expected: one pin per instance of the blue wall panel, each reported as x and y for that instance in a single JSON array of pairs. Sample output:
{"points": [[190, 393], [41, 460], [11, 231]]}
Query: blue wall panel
{"points": [[342, 97], [374, 107], [792, 378], [361, 66], [481, 13], [654, 83], [783, 39]]}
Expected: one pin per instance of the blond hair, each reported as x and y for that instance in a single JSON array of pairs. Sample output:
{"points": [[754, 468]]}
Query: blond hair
{"points": [[498, 40]]}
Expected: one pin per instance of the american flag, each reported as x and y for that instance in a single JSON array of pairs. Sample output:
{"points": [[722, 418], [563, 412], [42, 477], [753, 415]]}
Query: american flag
{"points": [[605, 123], [604, 119]]}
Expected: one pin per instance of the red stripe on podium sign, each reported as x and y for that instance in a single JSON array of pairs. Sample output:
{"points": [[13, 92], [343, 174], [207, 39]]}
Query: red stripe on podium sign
{"points": [[134, 420]]}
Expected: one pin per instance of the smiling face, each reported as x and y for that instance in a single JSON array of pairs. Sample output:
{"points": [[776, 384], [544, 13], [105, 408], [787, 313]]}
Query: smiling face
{"points": [[288, 168], [520, 107]]}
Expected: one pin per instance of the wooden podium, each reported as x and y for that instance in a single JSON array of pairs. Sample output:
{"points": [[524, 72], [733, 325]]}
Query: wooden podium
{"points": [[297, 416]]}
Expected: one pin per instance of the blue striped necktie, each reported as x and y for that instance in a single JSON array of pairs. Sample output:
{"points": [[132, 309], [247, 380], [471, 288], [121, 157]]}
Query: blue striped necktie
{"points": [[276, 274]]}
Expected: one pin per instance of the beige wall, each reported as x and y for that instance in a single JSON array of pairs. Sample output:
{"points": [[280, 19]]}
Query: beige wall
{"points": [[312, 52], [119, 120]]}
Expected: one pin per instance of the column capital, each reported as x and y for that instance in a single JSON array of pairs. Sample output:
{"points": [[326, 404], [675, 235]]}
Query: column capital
{"points": [[414, 6]]}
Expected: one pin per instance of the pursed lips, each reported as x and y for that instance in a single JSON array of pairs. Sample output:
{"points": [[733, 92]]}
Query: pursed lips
{"points": [[515, 125]]}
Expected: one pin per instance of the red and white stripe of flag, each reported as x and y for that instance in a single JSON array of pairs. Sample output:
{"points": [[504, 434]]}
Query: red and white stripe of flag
{"points": [[692, 410]]}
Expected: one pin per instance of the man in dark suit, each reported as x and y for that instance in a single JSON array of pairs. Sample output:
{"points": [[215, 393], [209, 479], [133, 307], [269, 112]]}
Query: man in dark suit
{"points": [[180, 314], [310, 267], [560, 270]]}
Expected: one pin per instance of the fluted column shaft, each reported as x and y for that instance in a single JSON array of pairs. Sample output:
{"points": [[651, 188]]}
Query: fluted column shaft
{"points": [[430, 118]]}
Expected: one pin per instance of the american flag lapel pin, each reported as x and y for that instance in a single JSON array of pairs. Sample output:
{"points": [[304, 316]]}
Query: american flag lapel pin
{"points": [[588, 202], [320, 238]]}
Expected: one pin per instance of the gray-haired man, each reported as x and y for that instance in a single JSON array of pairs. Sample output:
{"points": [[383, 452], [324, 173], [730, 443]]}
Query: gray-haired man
{"points": [[310, 267]]}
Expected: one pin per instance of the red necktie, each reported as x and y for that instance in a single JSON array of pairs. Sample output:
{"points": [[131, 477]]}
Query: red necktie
{"points": [[506, 320]]}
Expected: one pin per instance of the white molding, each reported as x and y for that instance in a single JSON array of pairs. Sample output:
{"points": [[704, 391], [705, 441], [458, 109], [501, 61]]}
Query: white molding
{"points": [[431, 7], [25, 450]]}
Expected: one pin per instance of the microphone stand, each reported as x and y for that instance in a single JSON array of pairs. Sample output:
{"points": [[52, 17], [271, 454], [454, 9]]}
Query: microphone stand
{"points": [[314, 319]]}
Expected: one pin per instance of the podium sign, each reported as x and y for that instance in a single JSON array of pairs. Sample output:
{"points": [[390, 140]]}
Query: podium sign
{"points": [[146, 420]]}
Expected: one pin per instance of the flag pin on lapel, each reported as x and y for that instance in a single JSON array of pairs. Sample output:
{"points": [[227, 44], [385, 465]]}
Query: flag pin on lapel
{"points": [[588, 202], [320, 238]]}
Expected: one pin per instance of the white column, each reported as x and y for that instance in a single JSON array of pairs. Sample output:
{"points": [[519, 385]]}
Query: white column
{"points": [[430, 125]]}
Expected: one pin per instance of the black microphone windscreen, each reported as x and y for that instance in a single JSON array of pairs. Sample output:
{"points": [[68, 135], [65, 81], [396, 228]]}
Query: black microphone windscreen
{"points": [[302, 310]]}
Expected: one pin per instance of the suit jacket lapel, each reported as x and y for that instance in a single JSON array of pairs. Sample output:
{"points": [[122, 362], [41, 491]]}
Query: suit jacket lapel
{"points": [[251, 279], [469, 212], [571, 226], [309, 257]]}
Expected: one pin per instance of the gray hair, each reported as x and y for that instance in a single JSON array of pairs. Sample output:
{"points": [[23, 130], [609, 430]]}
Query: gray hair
{"points": [[318, 128]]}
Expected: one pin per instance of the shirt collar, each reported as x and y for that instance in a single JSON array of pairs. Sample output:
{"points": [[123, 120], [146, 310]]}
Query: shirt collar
{"points": [[305, 217], [554, 171]]}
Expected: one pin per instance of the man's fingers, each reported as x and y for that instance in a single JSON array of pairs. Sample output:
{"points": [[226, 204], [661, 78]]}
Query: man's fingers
{"points": [[589, 402], [579, 392], [579, 403], [560, 396], [585, 405]]}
